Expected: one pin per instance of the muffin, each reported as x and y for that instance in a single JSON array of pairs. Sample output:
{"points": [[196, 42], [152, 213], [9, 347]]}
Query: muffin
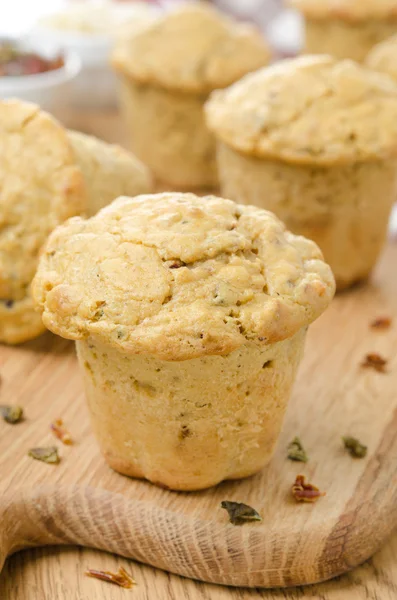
{"points": [[346, 28], [166, 72], [315, 141], [46, 176], [382, 57], [109, 171], [190, 316]]}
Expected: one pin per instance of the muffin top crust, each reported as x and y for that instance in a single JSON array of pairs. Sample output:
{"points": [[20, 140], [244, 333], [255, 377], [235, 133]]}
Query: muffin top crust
{"points": [[98, 162], [193, 49], [383, 57], [178, 277], [41, 186], [309, 110], [347, 10]]}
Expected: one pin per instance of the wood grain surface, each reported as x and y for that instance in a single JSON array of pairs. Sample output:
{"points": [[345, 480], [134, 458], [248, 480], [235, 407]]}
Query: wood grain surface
{"points": [[57, 574], [82, 501]]}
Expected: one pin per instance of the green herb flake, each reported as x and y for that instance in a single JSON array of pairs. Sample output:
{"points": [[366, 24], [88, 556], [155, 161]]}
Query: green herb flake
{"points": [[48, 455], [240, 513], [296, 451], [11, 413], [355, 448]]}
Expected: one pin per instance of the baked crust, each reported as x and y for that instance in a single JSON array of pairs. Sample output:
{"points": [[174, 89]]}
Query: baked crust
{"points": [[383, 57], [109, 171], [47, 175], [347, 10], [41, 186], [190, 50], [309, 110], [189, 424], [178, 277]]}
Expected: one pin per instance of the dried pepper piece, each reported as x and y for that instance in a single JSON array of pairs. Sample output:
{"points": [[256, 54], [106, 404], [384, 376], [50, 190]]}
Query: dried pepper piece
{"points": [[355, 447], [11, 413], [381, 323], [296, 451], [121, 578], [61, 433], [177, 263], [305, 492], [48, 455], [240, 513], [7, 303], [374, 361]]}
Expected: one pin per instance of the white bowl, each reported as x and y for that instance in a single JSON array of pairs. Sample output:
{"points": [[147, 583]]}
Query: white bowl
{"points": [[96, 86], [50, 89]]}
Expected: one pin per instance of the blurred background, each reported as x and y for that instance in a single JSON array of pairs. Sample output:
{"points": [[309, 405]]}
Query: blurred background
{"points": [[20, 15], [81, 34], [66, 45]]}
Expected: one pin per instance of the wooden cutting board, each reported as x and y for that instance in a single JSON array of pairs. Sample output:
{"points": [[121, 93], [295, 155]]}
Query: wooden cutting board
{"points": [[81, 501]]}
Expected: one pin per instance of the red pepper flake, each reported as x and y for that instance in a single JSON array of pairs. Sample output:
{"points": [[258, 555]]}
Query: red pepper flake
{"points": [[374, 361], [61, 433], [175, 264], [381, 323], [305, 492], [121, 578]]}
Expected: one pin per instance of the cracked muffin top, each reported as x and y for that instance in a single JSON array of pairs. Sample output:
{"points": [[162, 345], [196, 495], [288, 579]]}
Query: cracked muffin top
{"points": [[312, 109], [36, 194], [193, 49], [347, 10], [41, 186], [383, 57], [178, 277]]}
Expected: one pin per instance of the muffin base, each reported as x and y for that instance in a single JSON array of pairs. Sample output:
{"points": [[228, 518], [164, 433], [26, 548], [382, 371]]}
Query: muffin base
{"points": [[168, 133], [189, 425], [345, 209], [344, 39]]}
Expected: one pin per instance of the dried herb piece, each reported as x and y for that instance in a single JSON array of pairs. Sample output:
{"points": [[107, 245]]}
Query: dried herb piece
{"points": [[375, 361], [121, 578], [356, 449], [184, 432], [61, 433], [305, 492], [381, 323], [48, 455], [296, 451], [177, 263], [11, 413], [7, 303], [240, 513]]}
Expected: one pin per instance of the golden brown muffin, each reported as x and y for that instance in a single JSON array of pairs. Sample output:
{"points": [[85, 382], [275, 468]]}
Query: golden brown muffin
{"points": [[190, 316], [46, 176], [167, 71], [315, 141], [109, 171], [346, 28], [383, 56]]}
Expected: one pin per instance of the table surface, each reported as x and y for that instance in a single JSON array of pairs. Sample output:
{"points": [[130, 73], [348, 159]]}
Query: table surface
{"points": [[46, 573]]}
